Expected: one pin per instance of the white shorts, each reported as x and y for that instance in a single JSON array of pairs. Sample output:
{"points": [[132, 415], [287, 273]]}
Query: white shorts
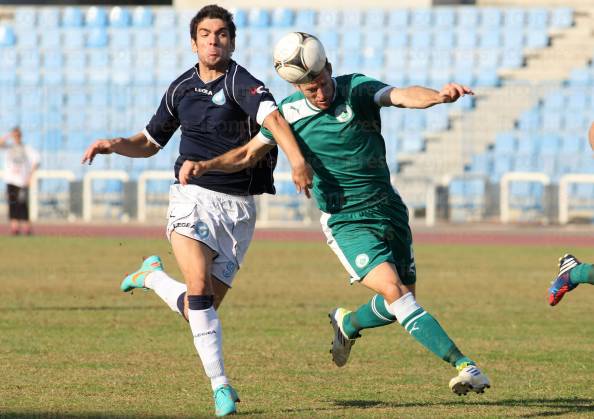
{"points": [[225, 223]]}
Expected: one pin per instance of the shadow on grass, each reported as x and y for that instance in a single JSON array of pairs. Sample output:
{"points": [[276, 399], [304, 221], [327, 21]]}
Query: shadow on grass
{"points": [[89, 415], [555, 407], [83, 308]]}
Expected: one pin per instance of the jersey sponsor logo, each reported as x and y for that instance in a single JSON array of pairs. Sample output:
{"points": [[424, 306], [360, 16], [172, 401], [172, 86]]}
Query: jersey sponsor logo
{"points": [[362, 260], [202, 230], [205, 91], [258, 90], [219, 98], [209, 332], [343, 113], [184, 225]]}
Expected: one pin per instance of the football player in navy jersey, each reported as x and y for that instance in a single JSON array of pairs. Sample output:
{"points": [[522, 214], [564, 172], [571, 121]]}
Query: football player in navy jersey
{"points": [[219, 106]]}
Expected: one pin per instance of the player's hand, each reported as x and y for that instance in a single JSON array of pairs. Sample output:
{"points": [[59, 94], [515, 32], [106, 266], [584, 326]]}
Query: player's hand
{"points": [[98, 147], [303, 178], [191, 169], [451, 92]]}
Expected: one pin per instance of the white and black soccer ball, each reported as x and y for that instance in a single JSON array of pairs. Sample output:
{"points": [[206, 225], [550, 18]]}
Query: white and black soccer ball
{"points": [[299, 57]]}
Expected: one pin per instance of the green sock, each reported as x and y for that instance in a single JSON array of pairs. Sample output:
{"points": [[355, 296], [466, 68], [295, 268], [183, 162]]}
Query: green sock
{"points": [[369, 315], [428, 332], [582, 274]]}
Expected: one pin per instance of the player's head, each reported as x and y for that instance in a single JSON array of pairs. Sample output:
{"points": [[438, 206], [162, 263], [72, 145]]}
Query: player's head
{"points": [[17, 135], [320, 91], [213, 35]]}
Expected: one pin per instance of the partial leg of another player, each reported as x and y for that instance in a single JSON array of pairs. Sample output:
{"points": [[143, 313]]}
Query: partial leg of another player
{"points": [[571, 273]]}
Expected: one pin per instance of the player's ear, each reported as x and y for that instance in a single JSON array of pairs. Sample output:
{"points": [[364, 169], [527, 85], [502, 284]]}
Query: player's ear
{"points": [[194, 46]]}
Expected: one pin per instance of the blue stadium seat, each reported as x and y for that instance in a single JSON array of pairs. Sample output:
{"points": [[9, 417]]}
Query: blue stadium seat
{"points": [[466, 38], [512, 58], [529, 121], [259, 41], [445, 17], [50, 39], [119, 17], [468, 17], [419, 61], [305, 19], [25, 17], [562, 18], [351, 19], [571, 144], [490, 39], [240, 17], [50, 16], [505, 143], [167, 39], [96, 17], [396, 60], [165, 19], [283, 17], [529, 146], [375, 39], [536, 39], [412, 142], [143, 38], [330, 40], [29, 59], [513, 38], [98, 60], [421, 19], [73, 38], [397, 40], [351, 62], [420, 40], [375, 18], [538, 18], [577, 101], [514, 18], [437, 120], [328, 18], [26, 38], [575, 121], [259, 18], [7, 37], [97, 38], [552, 121], [352, 41], [491, 18], [554, 102], [142, 17], [580, 77], [481, 164], [414, 121], [398, 19], [439, 77], [120, 38], [445, 40], [487, 77], [72, 17], [488, 58], [99, 97], [550, 144]]}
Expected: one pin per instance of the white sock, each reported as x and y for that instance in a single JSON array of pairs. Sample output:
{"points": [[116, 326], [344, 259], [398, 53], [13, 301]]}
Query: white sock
{"points": [[403, 307], [165, 287], [208, 340]]}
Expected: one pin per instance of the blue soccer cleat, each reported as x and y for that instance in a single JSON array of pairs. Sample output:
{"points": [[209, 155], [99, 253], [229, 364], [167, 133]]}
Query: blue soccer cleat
{"points": [[225, 398], [136, 279], [562, 284]]}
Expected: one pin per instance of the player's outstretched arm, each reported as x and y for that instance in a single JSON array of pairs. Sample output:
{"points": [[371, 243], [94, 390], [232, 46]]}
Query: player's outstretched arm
{"points": [[232, 161], [301, 172], [417, 97], [135, 146]]}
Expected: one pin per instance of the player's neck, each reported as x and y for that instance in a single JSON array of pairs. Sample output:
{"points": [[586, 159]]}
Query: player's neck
{"points": [[211, 73]]}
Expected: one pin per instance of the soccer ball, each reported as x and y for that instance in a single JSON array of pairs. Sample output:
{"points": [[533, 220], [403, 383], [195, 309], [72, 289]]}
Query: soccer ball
{"points": [[299, 57]]}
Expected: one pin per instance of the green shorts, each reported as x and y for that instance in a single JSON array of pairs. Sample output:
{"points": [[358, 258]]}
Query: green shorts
{"points": [[364, 239]]}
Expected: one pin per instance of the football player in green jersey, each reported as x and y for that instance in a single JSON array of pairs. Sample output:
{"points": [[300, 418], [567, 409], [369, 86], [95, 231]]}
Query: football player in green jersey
{"points": [[337, 124]]}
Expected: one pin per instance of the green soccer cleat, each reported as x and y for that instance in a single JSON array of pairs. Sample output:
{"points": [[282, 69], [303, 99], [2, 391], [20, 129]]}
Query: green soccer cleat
{"points": [[136, 279], [225, 398]]}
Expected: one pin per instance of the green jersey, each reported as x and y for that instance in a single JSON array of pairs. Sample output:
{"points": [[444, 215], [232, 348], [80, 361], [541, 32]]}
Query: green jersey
{"points": [[343, 144]]}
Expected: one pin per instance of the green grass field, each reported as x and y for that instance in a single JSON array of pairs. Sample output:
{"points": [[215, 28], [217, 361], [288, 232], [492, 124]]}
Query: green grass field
{"points": [[72, 345]]}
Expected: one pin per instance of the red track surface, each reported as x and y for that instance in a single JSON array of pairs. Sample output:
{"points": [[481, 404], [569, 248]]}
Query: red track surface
{"points": [[448, 234]]}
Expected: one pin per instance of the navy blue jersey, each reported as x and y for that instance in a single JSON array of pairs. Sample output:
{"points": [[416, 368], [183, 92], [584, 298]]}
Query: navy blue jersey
{"points": [[216, 117]]}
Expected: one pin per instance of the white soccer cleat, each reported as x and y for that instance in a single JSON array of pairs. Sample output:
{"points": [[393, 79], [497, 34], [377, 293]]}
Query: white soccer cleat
{"points": [[469, 378], [341, 344]]}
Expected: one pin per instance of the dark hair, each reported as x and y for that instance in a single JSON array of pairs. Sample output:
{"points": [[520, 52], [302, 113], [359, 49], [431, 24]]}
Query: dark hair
{"points": [[212, 11]]}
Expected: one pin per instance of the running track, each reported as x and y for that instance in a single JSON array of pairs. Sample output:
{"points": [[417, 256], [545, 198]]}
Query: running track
{"points": [[446, 234]]}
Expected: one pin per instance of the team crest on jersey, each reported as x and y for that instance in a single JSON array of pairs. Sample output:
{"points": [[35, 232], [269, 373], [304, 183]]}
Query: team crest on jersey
{"points": [[219, 98], [362, 260], [343, 113]]}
